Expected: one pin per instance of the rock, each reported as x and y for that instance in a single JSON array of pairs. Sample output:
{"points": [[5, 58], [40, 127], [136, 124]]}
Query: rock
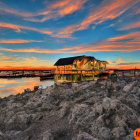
{"points": [[85, 136], [65, 109], [95, 110], [106, 103], [27, 90], [109, 83], [135, 90], [129, 87], [119, 132], [36, 88], [105, 133], [1, 134], [47, 136], [99, 109], [114, 104]]}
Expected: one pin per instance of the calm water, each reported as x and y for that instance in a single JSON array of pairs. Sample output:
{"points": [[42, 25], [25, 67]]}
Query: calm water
{"points": [[14, 86]]}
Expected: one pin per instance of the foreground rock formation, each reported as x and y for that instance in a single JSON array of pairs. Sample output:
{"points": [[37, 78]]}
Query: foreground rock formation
{"points": [[96, 110]]}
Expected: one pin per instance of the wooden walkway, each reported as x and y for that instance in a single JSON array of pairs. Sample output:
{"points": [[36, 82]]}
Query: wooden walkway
{"points": [[92, 72]]}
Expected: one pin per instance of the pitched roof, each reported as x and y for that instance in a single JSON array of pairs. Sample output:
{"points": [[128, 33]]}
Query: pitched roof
{"points": [[69, 60]]}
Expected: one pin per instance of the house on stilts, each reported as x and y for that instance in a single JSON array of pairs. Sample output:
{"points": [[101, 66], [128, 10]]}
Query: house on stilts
{"points": [[79, 68]]}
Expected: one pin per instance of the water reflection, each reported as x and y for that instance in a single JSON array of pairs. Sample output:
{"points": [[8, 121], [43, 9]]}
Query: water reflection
{"points": [[15, 86]]}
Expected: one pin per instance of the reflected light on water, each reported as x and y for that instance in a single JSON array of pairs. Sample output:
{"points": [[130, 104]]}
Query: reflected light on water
{"points": [[15, 86]]}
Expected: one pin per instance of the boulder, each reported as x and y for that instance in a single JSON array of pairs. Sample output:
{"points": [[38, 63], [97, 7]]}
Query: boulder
{"points": [[47, 136], [129, 86], [85, 136]]}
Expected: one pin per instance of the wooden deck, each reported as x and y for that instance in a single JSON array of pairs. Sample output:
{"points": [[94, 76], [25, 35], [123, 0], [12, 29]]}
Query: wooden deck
{"points": [[91, 72]]}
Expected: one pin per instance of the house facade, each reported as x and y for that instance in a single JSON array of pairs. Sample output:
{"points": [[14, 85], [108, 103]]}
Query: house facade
{"points": [[78, 68]]}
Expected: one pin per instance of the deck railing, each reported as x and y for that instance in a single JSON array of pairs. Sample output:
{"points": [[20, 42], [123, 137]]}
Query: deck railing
{"points": [[78, 71]]}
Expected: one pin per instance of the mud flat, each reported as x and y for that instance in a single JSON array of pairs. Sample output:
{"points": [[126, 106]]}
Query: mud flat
{"points": [[95, 110]]}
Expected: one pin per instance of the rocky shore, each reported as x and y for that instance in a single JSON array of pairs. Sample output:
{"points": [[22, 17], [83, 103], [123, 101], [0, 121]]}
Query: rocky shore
{"points": [[95, 110]]}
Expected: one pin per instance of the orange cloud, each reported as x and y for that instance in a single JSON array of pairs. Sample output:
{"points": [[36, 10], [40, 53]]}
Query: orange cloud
{"points": [[118, 61], [17, 62], [39, 50], [123, 66], [12, 11], [19, 27], [53, 10], [59, 9], [135, 10], [105, 11], [121, 63], [119, 43], [28, 68], [132, 25], [72, 6], [59, 4], [18, 41], [135, 36]]}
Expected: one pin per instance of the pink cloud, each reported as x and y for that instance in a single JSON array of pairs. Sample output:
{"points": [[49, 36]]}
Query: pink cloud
{"points": [[133, 25], [53, 10], [107, 10], [18, 41], [19, 27], [111, 44]]}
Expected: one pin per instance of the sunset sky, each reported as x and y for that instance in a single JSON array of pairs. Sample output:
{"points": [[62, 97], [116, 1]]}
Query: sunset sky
{"points": [[36, 33]]}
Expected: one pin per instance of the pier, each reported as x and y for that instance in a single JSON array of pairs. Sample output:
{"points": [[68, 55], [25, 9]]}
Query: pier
{"points": [[48, 74]]}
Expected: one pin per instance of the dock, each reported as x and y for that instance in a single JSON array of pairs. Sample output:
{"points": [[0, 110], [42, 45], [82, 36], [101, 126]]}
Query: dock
{"points": [[43, 74]]}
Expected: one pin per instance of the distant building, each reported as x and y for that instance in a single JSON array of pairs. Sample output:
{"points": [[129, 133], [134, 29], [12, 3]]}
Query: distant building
{"points": [[78, 68]]}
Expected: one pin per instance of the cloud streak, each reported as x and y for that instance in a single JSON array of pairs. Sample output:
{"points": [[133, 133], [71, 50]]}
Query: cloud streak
{"points": [[121, 63], [135, 36], [107, 10], [18, 28], [127, 42], [10, 62], [38, 50], [18, 41], [133, 25], [12, 11], [56, 9]]}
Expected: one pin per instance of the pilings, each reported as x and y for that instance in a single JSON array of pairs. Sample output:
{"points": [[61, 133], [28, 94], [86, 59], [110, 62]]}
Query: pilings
{"points": [[73, 77]]}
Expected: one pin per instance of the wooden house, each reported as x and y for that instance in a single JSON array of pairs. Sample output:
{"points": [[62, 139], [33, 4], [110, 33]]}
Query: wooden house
{"points": [[79, 68]]}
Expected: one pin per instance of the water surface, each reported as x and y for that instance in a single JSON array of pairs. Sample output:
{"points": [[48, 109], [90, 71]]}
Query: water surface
{"points": [[15, 86]]}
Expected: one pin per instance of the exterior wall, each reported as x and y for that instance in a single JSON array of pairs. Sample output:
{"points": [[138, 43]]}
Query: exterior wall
{"points": [[84, 64], [72, 77], [102, 65], [96, 65], [68, 67], [63, 69]]}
